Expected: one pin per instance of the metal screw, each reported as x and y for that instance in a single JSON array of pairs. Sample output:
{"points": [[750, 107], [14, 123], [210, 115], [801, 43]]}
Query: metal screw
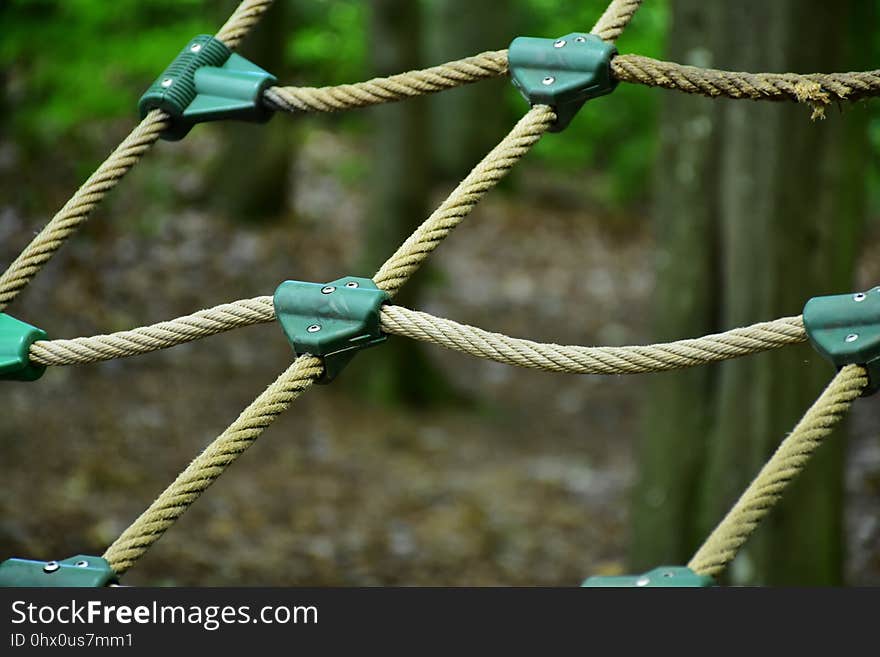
{"points": [[580, 39], [643, 581], [548, 80], [51, 567], [559, 44], [859, 296], [195, 47], [167, 82], [82, 564], [314, 328], [329, 289], [852, 337], [352, 284]]}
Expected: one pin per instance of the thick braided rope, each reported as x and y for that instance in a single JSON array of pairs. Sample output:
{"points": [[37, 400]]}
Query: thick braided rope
{"points": [[152, 338], [485, 65], [211, 463], [790, 458], [412, 253], [592, 360], [77, 210], [816, 89], [389, 89], [615, 18], [242, 21], [443, 332], [80, 205]]}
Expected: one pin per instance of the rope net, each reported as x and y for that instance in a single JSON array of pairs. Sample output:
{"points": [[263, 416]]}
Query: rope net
{"points": [[817, 90]]}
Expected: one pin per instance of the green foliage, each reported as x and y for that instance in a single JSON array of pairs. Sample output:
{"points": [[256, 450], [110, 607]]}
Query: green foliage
{"points": [[329, 43], [78, 60]]}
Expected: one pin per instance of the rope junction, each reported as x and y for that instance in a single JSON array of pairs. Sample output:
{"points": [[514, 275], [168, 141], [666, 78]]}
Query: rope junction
{"points": [[817, 90]]}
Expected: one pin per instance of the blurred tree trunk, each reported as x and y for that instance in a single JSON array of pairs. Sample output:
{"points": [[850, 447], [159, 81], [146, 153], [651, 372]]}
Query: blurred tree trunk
{"points": [[789, 200], [250, 180], [399, 197], [469, 121], [678, 415]]}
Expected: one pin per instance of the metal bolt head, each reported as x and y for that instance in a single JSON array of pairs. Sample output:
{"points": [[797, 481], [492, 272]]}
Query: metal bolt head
{"points": [[852, 337], [82, 564], [859, 296], [352, 284], [195, 47], [559, 44], [314, 328], [328, 289], [167, 82], [51, 567], [643, 581], [580, 39], [548, 80]]}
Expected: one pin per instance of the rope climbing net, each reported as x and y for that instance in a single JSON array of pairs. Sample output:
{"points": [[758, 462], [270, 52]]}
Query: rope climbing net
{"points": [[816, 90]]}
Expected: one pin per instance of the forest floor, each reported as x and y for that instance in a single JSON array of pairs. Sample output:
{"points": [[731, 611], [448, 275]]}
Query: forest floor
{"points": [[526, 485]]}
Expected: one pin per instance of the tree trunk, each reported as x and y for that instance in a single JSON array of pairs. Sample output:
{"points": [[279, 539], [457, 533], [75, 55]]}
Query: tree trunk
{"points": [[469, 121], [258, 191], [678, 415], [788, 203], [398, 372]]}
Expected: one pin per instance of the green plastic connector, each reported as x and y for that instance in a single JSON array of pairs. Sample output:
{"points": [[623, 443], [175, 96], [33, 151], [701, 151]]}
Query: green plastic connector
{"points": [[334, 320], [83, 571], [207, 82], [845, 328], [16, 338], [563, 72], [663, 577]]}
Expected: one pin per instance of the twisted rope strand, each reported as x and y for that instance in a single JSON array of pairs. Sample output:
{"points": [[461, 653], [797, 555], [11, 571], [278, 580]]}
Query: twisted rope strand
{"points": [[615, 18], [816, 89], [592, 360], [413, 252], [242, 21], [443, 332], [211, 463], [388, 89], [144, 339], [789, 460], [79, 207]]}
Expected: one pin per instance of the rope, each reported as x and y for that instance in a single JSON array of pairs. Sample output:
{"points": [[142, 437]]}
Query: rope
{"points": [[242, 21], [592, 360], [409, 257], [790, 458], [79, 207], [485, 65], [443, 332], [816, 89], [388, 89], [77, 210], [211, 463], [152, 338], [615, 18]]}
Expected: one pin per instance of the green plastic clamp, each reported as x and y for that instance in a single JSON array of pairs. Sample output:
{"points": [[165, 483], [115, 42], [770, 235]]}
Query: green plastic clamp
{"points": [[563, 72], [207, 82], [16, 338], [334, 320], [83, 570], [663, 577], [845, 329]]}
